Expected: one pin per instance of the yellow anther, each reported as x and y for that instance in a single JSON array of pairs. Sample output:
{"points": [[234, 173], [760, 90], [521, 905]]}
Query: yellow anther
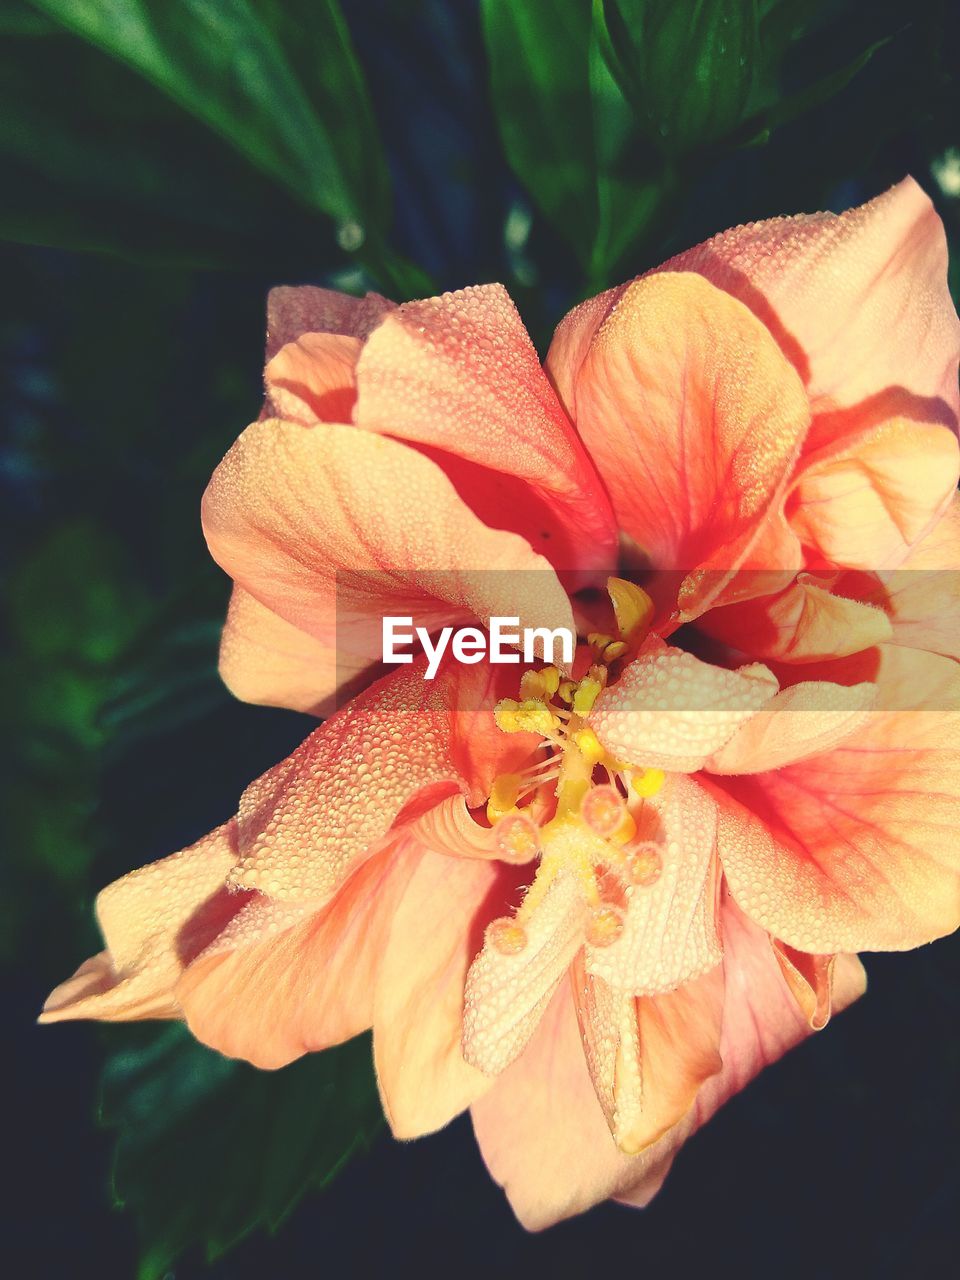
{"points": [[648, 782], [599, 641], [633, 609], [551, 679], [566, 690], [614, 650], [534, 716], [503, 795], [586, 695], [505, 715], [604, 925], [506, 936]]}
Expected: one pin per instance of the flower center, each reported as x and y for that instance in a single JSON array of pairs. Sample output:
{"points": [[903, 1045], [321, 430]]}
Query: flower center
{"points": [[576, 809]]}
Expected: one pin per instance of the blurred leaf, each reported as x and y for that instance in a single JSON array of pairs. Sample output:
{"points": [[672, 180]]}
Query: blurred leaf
{"points": [[569, 134], [95, 158], [210, 1148], [241, 68], [541, 90], [688, 68]]}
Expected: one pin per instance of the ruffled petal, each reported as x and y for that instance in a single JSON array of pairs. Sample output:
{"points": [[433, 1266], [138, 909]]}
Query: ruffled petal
{"points": [[506, 995], [670, 933], [148, 920], [856, 848], [333, 528], [282, 980], [296, 309], [671, 711], [400, 746], [648, 1056], [807, 622], [922, 596], [459, 375], [694, 418], [313, 379], [436, 931], [804, 720]]}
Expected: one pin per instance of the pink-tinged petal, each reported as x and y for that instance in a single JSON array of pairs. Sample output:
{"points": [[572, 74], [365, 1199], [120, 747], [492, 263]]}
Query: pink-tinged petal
{"points": [[670, 932], [858, 301], [648, 1056], [922, 597], [403, 743], [313, 379], [282, 980], [333, 528], [418, 1009], [459, 375], [147, 919], [865, 500], [694, 418], [804, 623], [856, 848], [805, 720], [671, 711], [449, 828], [268, 661], [542, 1131], [506, 995], [293, 310]]}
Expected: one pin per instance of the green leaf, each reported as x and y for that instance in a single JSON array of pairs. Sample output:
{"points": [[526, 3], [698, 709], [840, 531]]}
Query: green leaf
{"points": [[568, 132], [689, 69], [539, 74], [209, 1148], [277, 79]]}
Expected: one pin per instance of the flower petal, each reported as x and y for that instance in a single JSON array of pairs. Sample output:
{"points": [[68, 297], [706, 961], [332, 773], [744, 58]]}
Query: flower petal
{"points": [[296, 309], [333, 528], [806, 622], [856, 848], [436, 931], [863, 501], [810, 978], [459, 374], [671, 711], [694, 418], [670, 927], [268, 661], [804, 720], [313, 379], [648, 1056], [306, 823], [283, 980], [506, 994], [144, 918], [922, 596]]}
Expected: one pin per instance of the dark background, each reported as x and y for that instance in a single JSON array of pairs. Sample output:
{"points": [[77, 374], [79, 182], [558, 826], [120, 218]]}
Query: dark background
{"points": [[139, 239]]}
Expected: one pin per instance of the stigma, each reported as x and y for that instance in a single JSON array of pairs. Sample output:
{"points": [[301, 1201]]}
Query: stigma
{"points": [[576, 809]]}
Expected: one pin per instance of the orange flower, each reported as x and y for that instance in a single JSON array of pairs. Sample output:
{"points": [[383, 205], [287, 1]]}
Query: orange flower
{"points": [[589, 905]]}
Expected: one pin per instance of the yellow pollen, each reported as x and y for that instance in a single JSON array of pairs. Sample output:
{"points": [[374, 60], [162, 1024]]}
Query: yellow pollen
{"points": [[633, 609], [529, 716], [604, 925], [566, 690], [506, 936], [648, 782], [504, 795], [586, 695], [589, 744], [518, 839]]}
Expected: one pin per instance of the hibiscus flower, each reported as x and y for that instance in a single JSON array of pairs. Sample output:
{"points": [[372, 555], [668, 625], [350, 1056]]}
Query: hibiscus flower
{"points": [[587, 904]]}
